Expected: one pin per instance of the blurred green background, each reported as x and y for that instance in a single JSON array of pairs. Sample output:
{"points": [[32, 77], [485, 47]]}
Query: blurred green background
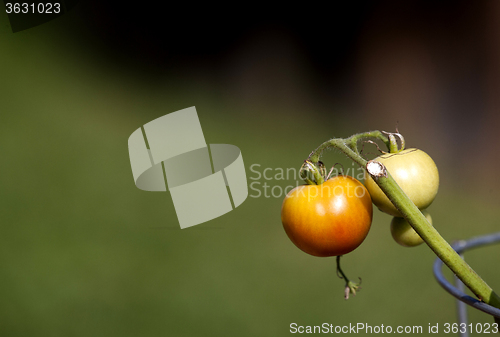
{"points": [[86, 253]]}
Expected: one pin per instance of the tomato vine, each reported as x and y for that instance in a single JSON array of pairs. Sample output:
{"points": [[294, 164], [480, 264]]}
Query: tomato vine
{"points": [[382, 177]]}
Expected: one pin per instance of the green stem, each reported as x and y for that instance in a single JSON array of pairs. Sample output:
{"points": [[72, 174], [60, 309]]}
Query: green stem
{"points": [[413, 215], [349, 146], [436, 242]]}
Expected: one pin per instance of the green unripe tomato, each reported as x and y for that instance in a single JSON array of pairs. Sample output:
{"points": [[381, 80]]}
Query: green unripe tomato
{"points": [[416, 174], [404, 234]]}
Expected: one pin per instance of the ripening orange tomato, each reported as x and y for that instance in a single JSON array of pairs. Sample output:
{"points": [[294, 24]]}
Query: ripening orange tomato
{"points": [[330, 219]]}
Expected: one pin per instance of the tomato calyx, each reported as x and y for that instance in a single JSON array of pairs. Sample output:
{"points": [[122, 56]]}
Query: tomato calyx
{"points": [[393, 143], [350, 287], [313, 173]]}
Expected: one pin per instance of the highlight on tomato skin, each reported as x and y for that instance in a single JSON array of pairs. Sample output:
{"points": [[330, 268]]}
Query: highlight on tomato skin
{"points": [[330, 219]]}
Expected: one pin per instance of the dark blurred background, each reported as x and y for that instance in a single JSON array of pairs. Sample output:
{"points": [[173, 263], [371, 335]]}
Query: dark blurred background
{"points": [[85, 253]]}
